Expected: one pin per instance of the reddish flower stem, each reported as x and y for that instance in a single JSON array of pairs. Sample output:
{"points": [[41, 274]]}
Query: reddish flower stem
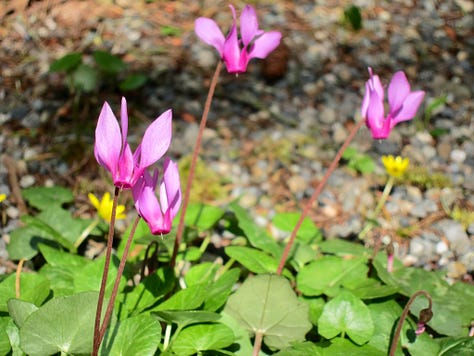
{"points": [[108, 253], [192, 167], [406, 310], [121, 267], [315, 195]]}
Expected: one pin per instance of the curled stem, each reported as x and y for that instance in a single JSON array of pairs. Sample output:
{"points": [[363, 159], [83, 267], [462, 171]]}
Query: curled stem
{"points": [[123, 260], [192, 167], [108, 253], [425, 314], [315, 195]]}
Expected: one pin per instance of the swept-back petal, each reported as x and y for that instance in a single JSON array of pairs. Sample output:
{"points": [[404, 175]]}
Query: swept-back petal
{"points": [[125, 177], [208, 31], [264, 44], [365, 101], [409, 107], [398, 90], [156, 140], [248, 24], [108, 139], [170, 188], [124, 121], [376, 122], [375, 84], [231, 55]]}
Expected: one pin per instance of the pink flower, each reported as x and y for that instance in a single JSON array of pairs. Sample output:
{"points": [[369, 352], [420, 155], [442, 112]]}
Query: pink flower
{"points": [[236, 54], [113, 152], [402, 101], [158, 215]]}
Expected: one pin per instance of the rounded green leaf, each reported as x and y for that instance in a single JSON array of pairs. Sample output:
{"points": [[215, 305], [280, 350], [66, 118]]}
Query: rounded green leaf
{"points": [[268, 305], [66, 63], [138, 335], [197, 338], [45, 197], [63, 324], [349, 315]]}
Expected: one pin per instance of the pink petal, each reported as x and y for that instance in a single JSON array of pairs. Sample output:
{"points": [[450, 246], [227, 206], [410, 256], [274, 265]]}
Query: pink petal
{"points": [[156, 140], [409, 107], [264, 44], [398, 90], [208, 31], [375, 117], [170, 189], [248, 24], [150, 209], [108, 140], [124, 121], [376, 85], [125, 177], [365, 101], [231, 54]]}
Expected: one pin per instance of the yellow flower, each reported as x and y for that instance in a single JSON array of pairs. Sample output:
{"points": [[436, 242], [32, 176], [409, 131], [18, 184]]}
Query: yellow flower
{"points": [[104, 207], [3, 197], [395, 166]]}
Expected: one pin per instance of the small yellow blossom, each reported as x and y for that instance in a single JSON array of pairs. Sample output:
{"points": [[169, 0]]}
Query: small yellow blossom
{"points": [[3, 197], [104, 207], [395, 166]]}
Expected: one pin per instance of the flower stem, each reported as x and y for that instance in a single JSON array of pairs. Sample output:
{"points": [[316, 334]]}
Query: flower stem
{"points": [[383, 199], [315, 195], [108, 253], [192, 167], [257, 344], [18, 278], [123, 260], [406, 310]]}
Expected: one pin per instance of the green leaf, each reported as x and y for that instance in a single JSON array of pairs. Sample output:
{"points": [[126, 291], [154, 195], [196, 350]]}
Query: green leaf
{"points": [[365, 164], [45, 197], [344, 248], [34, 288], [108, 62], [185, 299], [139, 335], [67, 63], [301, 349], [201, 273], [316, 306], [85, 78], [308, 231], [219, 291], [63, 324], [167, 30], [346, 314], [4, 339], [64, 260], [14, 336], [344, 347], [24, 242], [457, 347], [20, 310], [349, 153], [257, 236], [149, 291], [242, 338], [254, 260], [197, 338], [328, 274], [184, 318], [49, 231], [202, 216], [133, 81], [267, 304]]}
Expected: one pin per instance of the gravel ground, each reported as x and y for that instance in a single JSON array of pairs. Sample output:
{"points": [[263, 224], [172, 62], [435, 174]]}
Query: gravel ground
{"points": [[272, 131]]}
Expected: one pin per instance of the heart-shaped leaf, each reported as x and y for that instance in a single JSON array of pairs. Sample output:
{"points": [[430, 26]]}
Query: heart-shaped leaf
{"points": [[45, 197], [34, 288], [266, 304], [349, 315], [61, 325]]}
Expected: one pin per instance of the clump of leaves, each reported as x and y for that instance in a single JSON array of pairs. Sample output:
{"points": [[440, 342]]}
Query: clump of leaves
{"points": [[353, 17], [359, 162], [422, 178], [84, 77]]}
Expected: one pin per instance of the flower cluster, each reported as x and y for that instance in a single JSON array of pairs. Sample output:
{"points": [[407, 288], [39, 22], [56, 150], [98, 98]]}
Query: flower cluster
{"points": [[129, 170], [402, 101], [236, 54]]}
